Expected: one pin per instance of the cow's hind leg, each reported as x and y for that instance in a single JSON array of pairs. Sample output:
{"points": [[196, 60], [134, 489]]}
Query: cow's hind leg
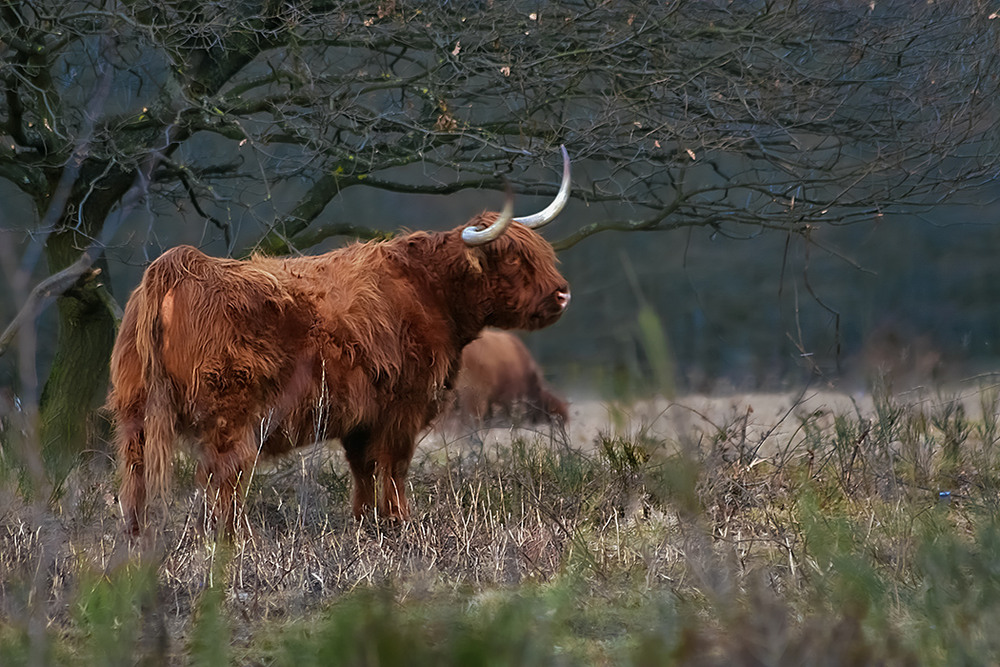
{"points": [[227, 459], [130, 442]]}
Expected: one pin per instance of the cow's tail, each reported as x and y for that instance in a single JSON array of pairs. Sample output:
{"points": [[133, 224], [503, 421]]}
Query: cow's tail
{"points": [[160, 424]]}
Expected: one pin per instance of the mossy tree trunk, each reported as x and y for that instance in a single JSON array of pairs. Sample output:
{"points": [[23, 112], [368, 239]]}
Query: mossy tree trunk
{"points": [[78, 381]]}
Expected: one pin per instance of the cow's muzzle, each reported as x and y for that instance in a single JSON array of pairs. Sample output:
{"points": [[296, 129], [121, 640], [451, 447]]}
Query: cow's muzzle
{"points": [[562, 298]]}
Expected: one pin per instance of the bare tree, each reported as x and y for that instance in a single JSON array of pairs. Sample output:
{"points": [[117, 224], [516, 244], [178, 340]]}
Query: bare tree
{"points": [[250, 117]]}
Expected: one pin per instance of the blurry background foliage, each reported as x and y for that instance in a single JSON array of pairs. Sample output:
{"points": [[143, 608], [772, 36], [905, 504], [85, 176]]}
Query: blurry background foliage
{"points": [[762, 190]]}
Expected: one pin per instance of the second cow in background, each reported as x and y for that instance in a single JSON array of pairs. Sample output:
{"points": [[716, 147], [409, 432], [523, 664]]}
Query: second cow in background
{"points": [[499, 381]]}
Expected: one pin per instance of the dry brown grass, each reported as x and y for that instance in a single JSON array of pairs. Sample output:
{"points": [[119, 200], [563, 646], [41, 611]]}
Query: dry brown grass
{"points": [[482, 519], [706, 506]]}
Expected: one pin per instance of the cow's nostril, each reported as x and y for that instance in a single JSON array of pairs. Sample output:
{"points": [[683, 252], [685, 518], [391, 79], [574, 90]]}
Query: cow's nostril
{"points": [[562, 297]]}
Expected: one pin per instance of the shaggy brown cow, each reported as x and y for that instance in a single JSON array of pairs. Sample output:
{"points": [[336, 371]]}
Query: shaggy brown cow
{"points": [[500, 380], [257, 357]]}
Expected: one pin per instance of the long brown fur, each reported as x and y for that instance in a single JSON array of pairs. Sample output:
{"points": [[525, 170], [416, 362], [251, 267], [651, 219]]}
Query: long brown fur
{"points": [[499, 380], [257, 357]]}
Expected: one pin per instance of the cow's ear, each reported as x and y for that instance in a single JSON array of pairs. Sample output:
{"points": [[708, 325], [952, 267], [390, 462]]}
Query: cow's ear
{"points": [[474, 256]]}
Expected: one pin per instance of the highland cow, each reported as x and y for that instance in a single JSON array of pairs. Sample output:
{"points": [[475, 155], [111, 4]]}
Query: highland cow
{"points": [[257, 357], [499, 381]]}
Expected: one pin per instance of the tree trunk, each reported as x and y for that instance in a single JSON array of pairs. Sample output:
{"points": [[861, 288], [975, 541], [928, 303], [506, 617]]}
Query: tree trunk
{"points": [[78, 381]]}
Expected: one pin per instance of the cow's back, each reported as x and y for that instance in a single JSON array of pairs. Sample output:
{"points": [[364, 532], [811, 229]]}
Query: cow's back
{"points": [[376, 332]]}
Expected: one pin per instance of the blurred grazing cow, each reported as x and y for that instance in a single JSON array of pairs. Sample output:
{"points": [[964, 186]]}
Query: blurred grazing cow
{"points": [[500, 380], [361, 343]]}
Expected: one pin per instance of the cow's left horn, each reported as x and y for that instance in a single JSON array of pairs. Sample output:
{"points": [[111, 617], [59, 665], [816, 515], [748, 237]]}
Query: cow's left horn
{"points": [[549, 213], [473, 236]]}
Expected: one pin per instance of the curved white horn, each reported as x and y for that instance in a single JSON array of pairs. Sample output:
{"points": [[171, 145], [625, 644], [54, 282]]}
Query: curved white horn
{"points": [[549, 213], [473, 236]]}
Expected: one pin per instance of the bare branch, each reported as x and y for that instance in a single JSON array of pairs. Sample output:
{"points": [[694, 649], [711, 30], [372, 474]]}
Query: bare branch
{"points": [[45, 291]]}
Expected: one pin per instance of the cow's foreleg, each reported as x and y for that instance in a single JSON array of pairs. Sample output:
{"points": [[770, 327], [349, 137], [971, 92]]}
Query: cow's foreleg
{"points": [[392, 500], [393, 463], [379, 462]]}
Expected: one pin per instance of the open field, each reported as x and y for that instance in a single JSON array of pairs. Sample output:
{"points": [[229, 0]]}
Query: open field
{"points": [[806, 528]]}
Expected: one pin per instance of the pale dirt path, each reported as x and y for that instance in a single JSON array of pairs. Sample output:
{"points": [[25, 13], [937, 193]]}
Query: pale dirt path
{"points": [[772, 418]]}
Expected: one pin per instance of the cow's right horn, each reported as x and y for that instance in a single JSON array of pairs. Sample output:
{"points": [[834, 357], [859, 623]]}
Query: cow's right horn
{"points": [[549, 213]]}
